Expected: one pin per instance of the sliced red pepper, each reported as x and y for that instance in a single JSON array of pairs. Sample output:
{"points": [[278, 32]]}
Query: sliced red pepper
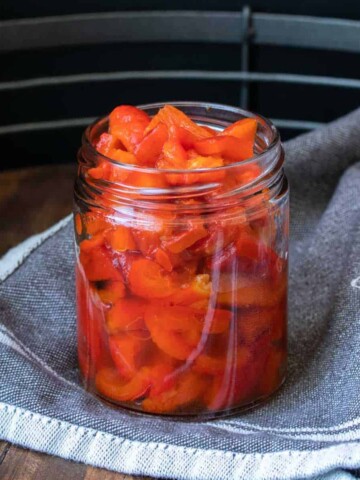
{"points": [[221, 234], [160, 376], [249, 292], [147, 180], [172, 330], [147, 241], [273, 372], [197, 290], [225, 146], [189, 387], [97, 263], [122, 156], [224, 364], [128, 125], [198, 163], [279, 326], [187, 138], [120, 238], [95, 223], [246, 174], [172, 116], [223, 260], [113, 387], [111, 292], [126, 315], [148, 280], [150, 148], [254, 323], [209, 130], [112, 173], [164, 259], [244, 130], [107, 143], [126, 350], [180, 242], [174, 156], [235, 384], [254, 255]]}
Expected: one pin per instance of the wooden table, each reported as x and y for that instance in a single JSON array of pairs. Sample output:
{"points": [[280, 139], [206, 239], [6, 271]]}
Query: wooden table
{"points": [[31, 200]]}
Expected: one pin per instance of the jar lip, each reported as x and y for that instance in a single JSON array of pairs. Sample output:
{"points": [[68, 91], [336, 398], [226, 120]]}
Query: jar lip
{"points": [[274, 142]]}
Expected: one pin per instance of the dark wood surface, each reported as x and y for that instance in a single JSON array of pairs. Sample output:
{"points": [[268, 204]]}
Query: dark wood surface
{"points": [[32, 200]]}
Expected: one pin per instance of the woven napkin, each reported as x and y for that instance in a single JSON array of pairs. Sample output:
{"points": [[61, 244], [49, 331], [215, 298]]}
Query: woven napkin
{"points": [[310, 429]]}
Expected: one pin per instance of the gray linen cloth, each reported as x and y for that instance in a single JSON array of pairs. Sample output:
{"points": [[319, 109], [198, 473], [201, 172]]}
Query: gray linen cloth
{"points": [[310, 429]]}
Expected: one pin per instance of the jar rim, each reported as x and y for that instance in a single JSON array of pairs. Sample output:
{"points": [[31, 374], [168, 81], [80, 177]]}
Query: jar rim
{"points": [[273, 145]]}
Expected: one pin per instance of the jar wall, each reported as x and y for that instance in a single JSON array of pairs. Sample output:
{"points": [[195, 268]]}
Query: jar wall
{"points": [[183, 312], [206, 336]]}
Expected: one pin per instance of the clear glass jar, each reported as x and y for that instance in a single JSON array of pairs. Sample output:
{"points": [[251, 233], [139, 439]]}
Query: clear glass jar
{"points": [[182, 289]]}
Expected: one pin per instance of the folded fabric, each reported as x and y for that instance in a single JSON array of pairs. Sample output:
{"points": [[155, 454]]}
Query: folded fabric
{"points": [[310, 429]]}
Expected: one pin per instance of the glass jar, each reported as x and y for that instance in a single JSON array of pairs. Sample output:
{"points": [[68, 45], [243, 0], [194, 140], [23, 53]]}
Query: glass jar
{"points": [[182, 289]]}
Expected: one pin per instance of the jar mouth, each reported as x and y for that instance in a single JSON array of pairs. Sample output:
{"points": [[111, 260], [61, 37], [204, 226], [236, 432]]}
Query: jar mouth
{"points": [[215, 115]]}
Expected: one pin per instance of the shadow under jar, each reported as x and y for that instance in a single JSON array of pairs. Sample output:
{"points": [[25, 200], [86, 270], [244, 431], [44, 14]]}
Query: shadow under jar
{"points": [[182, 289]]}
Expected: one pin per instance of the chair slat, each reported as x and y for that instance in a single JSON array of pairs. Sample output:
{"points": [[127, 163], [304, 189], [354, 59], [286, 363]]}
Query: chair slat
{"points": [[181, 75], [178, 26], [85, 121]]}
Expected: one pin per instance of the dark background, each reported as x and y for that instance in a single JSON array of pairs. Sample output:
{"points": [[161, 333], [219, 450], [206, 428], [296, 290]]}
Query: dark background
{"points": [[313, 103]]}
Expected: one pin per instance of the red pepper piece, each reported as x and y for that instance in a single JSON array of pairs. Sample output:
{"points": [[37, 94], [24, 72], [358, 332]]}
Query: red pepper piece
{"points": [[279, 326], [121, 156], [172, 116], [97, 263], [173, 330], [246, 174], [126, 315], [148, 280], [147, 241], [128, 124], [187, 138], [126, 350], [209, 130], [198, 163], [112, 173], [120, 239], [248, 254], [248, 292], [174, 156], [197, 290], [150, 148], [147, 180], [95, 223], [221, 234], [111, 147], [225, 146], [163, 259], [235, 384], [111, 292], [273, 372], [184, 240], [254, 323], [223, 260], [161, 376], [113, 387], [254, 255], [244, 130], [189, 387], [107, 143]]}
